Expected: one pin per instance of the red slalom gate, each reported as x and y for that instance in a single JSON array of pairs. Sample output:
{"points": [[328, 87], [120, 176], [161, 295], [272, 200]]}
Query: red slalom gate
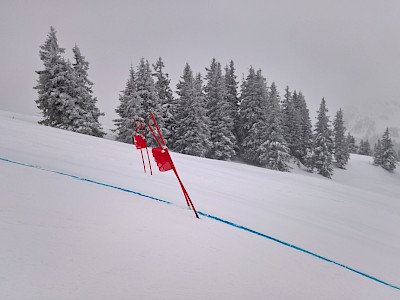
{"points": [[164, 161], [140, 143]]}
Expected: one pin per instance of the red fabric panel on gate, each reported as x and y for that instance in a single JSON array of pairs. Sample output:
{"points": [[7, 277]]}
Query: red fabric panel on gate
{"points": [[162, 158], [140, 143]]}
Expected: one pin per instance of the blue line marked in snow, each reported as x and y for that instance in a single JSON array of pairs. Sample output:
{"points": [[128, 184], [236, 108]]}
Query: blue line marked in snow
{"points": [[210, 217], [87, 180]]}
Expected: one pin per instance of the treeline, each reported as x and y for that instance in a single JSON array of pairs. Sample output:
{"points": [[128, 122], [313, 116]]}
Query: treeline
{"points": [[212, 116]]}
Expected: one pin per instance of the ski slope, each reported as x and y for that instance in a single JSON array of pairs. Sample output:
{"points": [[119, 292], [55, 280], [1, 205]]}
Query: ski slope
{"points": [[63, 238]]}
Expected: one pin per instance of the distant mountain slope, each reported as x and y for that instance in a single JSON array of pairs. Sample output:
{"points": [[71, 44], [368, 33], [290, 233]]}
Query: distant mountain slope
{"points": [[370, 121]]}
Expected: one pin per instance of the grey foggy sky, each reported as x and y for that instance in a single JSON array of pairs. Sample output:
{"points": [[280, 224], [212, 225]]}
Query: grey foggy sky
{"points": [[345, 51]]}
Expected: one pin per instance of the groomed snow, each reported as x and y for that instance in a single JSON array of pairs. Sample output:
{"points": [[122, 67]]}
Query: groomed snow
{"points": [[63, 238]]}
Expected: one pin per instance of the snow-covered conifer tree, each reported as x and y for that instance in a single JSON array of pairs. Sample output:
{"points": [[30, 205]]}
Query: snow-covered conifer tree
{"points": [[253, 116], [130, 108], [340, 146], [275, 153], [388, 155], [365, 148], [165, 95], [377, 153], [233, 100], [306, 140], [293, 115], [288, 117], [55, 85], [360, 149], [323, 145], [146, 90], [87, 121], [148, 98], [351, 141], [297, 126], [65, 94], [192, 132], [218, 110]]}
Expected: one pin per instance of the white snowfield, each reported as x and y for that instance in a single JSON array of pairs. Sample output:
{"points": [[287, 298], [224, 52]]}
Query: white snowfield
{"points": [[63, 238]]}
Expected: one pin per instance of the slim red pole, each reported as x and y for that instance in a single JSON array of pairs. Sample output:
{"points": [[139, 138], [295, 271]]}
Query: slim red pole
{"points": [[154, 134], [141, 153], [182, 187], [148, 157], [188, 200], [185, 193], [144, 166], [158, 129], [147, 151]]}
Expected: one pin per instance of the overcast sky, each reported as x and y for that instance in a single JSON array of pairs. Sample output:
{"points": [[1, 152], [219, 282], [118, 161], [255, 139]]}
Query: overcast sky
{"points": [[345, 51]]}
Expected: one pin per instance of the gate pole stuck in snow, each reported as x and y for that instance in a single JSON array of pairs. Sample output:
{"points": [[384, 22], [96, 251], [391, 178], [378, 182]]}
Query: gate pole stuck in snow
{"points": [[164, 161], [136, 143], [140, 142], [147, 150]]}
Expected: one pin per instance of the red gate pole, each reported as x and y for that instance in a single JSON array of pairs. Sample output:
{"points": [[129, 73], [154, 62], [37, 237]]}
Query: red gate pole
{"points": [[185, 193], [158, 129], [144, 166], [141, 153], [154, 135], [147, 151], [188, 200]]}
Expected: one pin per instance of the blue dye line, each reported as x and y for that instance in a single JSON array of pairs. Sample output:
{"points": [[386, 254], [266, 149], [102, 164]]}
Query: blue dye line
{"points": [[87, 180], [211, 217]]}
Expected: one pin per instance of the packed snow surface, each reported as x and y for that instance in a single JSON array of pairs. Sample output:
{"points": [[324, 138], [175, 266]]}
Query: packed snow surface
{"points": [[63, 238]]}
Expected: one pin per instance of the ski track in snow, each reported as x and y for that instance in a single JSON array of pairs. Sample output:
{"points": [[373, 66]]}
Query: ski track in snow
{"points": [[211, 217]]}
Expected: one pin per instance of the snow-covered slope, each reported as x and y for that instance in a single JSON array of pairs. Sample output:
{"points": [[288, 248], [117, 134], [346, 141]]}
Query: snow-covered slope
{"points": [[63, 238]]}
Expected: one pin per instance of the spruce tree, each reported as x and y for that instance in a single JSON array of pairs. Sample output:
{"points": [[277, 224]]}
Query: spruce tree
{"points": [[192, 131], [306, 140], [55, 85], [147, 97], [218, 110], [365, 148], [323, 145], [233, 100], [340, 147], [167, 104], [288, 118], [65, 94], [388, 155], [351, 141], [360, 149], [130, 108], [378, 153], [295, 127], [253, 116], [87, 122], [275, 153], [146, 90]]}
